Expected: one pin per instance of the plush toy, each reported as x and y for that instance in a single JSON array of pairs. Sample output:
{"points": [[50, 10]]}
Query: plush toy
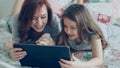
{"points": [[8, 45], [45, 39]]}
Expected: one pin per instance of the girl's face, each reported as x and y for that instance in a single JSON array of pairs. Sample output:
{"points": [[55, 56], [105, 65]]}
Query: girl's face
{"points": [[40, 19], [70, 28]]}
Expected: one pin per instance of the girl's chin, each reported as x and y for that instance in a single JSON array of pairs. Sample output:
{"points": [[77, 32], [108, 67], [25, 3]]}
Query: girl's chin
{"points": [[72, 38]]}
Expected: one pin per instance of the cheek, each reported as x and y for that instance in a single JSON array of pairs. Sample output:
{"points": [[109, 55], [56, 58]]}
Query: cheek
{"points": [[32, 24], [75, 32], [64, 30], [45, 22]]}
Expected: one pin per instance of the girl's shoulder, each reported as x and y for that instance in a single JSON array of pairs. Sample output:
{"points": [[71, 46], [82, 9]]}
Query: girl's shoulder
{"points": [[94, 36]]}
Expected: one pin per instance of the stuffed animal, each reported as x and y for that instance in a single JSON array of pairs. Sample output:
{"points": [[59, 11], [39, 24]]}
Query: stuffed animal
{"points": [[45, 39]]}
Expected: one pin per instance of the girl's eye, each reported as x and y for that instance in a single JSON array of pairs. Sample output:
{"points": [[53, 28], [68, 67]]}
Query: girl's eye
{"points": [[73, 28]]}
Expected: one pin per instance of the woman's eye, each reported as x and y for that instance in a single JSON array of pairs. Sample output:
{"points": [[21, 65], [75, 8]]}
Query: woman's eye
{"points": [[43, 17], [65, 26], [73, 28], [34, 18]]}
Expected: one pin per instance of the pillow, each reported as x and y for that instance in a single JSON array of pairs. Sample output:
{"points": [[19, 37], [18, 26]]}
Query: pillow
{"points": [[103, 28], [3, 25], [105, 19], [4, 34], [109, 30], [13, 27], [56, 9]]}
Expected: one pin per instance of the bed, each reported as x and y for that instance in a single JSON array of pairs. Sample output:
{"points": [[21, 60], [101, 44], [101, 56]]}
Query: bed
{"points": [[107, 16], [110, 30]]}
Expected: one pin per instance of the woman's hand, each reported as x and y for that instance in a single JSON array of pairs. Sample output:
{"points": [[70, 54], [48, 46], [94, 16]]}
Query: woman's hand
{"points": [[74, 63], [39, 42], [17, 53]]}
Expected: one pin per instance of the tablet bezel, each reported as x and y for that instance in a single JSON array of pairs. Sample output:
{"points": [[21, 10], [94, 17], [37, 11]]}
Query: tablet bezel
{"points": [[45, 56]]}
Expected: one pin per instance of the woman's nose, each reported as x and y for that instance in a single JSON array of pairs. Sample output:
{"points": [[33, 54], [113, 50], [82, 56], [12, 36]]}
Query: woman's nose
{"points": [[40, 21]]}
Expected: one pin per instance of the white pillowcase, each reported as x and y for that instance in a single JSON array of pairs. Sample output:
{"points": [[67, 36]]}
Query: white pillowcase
{"points": [[103, 27], [109, 30]]}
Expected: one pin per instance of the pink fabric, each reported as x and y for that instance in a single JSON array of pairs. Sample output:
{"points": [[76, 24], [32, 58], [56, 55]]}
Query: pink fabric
{"points": [[56, 6], [103, 18]]}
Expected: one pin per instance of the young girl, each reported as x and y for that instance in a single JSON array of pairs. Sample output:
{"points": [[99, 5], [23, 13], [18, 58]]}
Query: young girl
{"points": [[81, 33]]}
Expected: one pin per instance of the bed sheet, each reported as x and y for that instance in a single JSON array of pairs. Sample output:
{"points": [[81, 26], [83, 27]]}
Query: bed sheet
{"points": [[112, 53]]}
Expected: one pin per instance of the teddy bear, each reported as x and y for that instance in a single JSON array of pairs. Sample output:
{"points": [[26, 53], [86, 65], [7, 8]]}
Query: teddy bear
{"points": [[46, 40]]}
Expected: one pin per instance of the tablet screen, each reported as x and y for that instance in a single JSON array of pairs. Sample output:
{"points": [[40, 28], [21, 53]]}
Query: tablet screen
{"points": [[43, 56]]}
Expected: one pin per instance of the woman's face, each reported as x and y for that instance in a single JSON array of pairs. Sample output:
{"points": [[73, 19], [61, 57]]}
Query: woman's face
{"points": [[40, 19], [70, 28]]}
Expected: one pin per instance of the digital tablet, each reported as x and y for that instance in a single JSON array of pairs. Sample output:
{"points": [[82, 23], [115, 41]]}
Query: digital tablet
{"points": [[43, 56]]}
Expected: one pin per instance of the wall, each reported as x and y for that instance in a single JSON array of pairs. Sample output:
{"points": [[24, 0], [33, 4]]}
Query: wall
{"points": [[5, 7]]}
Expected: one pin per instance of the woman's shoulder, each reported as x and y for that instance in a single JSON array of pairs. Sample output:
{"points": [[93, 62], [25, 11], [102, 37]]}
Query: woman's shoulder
{"points": [[55, 20], [13, 20]]}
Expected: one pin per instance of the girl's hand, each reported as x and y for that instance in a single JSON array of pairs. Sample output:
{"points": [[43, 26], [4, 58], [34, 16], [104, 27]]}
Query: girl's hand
{"points": [[74, 63], [17, 53]]}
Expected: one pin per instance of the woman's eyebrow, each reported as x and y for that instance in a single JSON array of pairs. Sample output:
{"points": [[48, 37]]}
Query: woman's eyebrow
{"points": [[41, 15]]}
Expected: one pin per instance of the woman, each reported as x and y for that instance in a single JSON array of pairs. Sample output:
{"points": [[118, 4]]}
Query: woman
{"points": [[81, 33], [34, 20]]}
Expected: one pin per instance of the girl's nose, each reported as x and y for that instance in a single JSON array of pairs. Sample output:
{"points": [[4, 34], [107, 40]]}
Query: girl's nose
{"points": [[68, 31]]}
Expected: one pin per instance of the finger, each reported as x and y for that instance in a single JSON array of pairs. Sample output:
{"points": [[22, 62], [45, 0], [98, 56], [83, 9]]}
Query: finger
{"points": [[37, 42], [63, 65], [73, 57], [19, 55], [16, 52], [19, 58], [17, 49], [42, 43], [65, 61]]}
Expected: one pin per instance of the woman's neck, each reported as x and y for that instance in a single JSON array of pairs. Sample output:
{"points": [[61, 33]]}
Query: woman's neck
{"points": [[34, 35]]}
